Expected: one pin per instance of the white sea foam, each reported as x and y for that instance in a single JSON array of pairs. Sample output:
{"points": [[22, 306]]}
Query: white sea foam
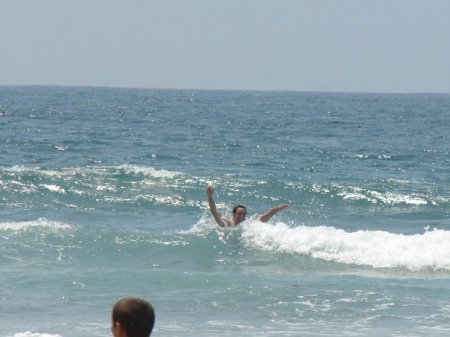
{"points": [[203, 226], [378, 249], [53, 188], [27, 225], [34, 334], [149, 171], [387, 198], [17, 169], [130, 169]]}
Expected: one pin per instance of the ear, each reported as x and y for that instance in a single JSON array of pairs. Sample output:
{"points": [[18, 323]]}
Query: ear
{"points": [[118, 330]]}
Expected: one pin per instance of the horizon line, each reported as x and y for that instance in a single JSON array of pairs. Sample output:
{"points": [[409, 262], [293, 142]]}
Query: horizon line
{"points": [[231, 90]]}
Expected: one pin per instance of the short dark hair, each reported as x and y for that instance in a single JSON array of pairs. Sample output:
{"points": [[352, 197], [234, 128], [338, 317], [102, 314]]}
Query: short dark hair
{"points": [[135, 315], [239, 206]]}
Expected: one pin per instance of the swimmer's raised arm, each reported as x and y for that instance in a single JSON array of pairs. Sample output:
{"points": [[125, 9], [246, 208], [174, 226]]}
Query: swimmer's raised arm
{"points": [[212, 207], [270, 213]]}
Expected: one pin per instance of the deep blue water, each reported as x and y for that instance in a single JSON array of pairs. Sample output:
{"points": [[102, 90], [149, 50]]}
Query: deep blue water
{"points": [[102, 195]]}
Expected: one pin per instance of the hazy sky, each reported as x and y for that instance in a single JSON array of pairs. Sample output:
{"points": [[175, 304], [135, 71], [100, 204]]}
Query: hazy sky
{"points": [[313, 45]]}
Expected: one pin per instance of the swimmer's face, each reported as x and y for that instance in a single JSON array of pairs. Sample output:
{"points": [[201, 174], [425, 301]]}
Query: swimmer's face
{"points": [[239, 215]]}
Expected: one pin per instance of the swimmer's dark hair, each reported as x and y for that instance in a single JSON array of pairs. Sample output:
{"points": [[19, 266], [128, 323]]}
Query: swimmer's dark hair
{"points": [[239, 206], [134, 315]]}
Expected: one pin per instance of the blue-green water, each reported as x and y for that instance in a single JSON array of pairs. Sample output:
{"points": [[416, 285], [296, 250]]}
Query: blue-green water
{"points": [[102, 195]]}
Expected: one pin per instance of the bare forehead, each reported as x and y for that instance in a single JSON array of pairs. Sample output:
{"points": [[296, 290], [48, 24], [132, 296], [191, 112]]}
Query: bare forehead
{"points": [[241, 210]]}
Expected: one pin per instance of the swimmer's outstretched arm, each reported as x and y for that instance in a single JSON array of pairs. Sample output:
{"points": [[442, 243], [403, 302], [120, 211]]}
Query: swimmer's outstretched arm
{"points": [[270, 213], [212, 207]]}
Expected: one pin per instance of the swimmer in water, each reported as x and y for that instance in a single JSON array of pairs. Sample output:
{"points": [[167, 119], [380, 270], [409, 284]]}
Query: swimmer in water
{"points": [[239, 212]]}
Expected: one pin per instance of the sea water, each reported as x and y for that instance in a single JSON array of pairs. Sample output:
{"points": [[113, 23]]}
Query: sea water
{"points": [[102, 196]]}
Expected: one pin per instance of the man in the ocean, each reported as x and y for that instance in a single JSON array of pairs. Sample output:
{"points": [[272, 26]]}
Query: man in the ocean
{"points": [[239, 212]]}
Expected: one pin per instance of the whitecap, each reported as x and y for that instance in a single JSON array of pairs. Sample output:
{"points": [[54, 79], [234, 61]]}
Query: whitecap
{"points": [[21, 226], [34, 334], [53, 188], [378, 249], [148, 171]]}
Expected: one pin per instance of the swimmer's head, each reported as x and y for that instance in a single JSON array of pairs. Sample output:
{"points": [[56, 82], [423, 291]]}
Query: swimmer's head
{"points": [[239, 214]]}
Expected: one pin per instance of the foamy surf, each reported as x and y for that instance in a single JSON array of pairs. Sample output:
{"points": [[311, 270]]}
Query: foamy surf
{"points": [[34, 334], [378, 249], [43, 223], [148, 171], [94, 170]]}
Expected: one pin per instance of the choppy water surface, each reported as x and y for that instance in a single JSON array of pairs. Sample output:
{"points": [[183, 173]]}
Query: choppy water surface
{"points": [[102, 195]]}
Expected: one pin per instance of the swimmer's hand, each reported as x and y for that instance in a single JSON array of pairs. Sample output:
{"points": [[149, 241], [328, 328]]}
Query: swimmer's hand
{"points": [[210, 190]]}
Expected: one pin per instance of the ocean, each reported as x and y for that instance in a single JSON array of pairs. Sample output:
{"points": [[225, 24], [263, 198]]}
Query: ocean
{"points": [[102, 196]]}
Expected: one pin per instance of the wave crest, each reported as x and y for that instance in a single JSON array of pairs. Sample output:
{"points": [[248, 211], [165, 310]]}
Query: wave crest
{"points": [[34, 334], [22, 226], [378, 249]]}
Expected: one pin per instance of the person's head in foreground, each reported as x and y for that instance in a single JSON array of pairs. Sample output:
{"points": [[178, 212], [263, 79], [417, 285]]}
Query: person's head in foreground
{"points": [[132, 317]]}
